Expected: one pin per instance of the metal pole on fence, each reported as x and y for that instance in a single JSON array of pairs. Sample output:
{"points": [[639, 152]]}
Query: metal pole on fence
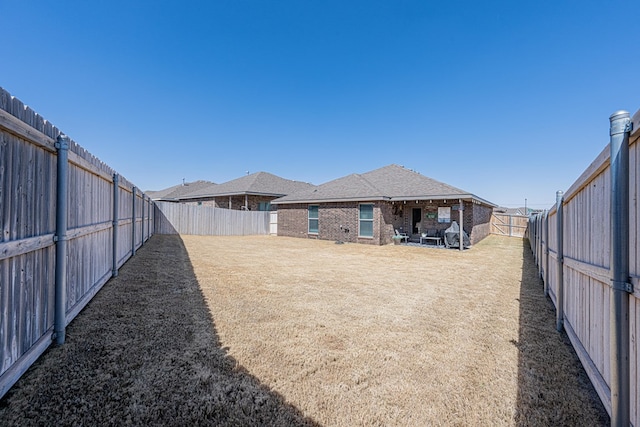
{"points": [[620, 128], [133, 222], [60, 311], [560, 253], [115, 223], [149, 218], [142, 219], [546, 253]]}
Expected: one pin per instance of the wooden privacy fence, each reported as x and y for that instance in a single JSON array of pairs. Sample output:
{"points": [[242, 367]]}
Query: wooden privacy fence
{"points": [[509, 225], [107, 220], [574, 262], [180, 218]]}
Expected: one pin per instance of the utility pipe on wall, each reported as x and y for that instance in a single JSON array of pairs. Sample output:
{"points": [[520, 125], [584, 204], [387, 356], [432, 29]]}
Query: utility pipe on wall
{"points": [[560, 268], [620, 128], [60, 311]]}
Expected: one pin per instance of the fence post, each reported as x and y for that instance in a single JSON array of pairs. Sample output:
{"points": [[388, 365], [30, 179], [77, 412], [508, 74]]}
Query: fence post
{"points": [[560, 253], [546, 253], [620, 127], [142, 220], [133, 222], [60, 310], [115, 223]]}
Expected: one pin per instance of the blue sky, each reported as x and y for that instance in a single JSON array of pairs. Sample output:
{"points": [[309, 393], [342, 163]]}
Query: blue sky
{"points": [[509, 100]]}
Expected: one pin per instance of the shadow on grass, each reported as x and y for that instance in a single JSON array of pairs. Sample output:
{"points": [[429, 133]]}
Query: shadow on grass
{"points": [[145, 351], [553, 387]]}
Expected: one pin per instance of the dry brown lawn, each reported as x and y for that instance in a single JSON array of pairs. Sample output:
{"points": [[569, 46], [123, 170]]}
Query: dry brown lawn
{"points": [[279, 331]]}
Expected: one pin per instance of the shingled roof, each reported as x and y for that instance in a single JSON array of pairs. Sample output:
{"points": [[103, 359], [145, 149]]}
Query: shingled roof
{"points": [[177, 191], [256, 184], [391, 183]]}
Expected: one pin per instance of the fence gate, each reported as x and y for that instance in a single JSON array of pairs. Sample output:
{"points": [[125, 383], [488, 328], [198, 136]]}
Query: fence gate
{"points": [[273, 223], [509, 225]]}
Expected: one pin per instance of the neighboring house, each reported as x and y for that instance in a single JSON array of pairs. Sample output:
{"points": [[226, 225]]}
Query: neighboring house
{"points": [[367, 208], [172, 194], [516, 211], [251, 192]]}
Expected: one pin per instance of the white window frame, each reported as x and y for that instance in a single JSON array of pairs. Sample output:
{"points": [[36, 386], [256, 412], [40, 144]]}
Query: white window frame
{"points": [[360, 220], [317, 219]]}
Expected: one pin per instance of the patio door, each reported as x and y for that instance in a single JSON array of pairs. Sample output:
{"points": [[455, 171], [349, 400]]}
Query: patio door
{"points": [[416, 216]]}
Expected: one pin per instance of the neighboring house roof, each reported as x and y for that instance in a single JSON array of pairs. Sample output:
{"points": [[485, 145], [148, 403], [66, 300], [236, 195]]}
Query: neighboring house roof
{"points": [[516, 211], [177, 191], [256, 184], [392, 183]]}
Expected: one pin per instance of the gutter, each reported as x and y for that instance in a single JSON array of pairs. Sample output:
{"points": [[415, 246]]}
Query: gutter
{"points": [[245, 193], [465, 197]]}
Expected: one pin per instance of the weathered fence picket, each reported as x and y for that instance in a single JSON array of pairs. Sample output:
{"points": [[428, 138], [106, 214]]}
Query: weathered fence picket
{"points": [[28, 180]]}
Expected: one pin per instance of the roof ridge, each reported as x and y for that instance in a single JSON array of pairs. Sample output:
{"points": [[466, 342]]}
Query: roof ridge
{"points": [[370, 185]]}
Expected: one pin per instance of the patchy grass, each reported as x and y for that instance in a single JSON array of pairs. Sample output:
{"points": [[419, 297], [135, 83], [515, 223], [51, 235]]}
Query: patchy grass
{"points": [[283, 331]]}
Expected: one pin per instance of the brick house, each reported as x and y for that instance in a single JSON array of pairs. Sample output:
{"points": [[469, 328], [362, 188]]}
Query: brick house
{"points": [[367, 208], [251, 192]]}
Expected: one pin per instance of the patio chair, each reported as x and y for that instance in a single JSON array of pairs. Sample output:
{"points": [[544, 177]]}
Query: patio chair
{"points": [[403, 236]]}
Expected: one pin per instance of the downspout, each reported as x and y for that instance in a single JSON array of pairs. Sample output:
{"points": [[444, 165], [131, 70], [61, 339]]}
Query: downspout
{"points": [[60, 311], [560, 254], [620, 128]]}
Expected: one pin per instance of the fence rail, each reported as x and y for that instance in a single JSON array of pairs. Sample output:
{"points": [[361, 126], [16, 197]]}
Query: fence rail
{"points": [[29, 236], [580, 278], [180, 218]]}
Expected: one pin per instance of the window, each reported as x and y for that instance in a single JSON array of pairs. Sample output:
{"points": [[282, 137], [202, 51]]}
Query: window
{"points": [[313, 219], [365, 228], [444, 214], [264, 206]]}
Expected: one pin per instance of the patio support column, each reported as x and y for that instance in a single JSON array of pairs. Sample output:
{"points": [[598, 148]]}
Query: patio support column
{"points": [[461, 214], [246, 202], [229, 202]]}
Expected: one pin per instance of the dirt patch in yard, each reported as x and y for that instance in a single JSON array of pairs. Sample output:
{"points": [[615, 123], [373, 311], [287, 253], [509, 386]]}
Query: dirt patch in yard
{"points": [[282, 331]]}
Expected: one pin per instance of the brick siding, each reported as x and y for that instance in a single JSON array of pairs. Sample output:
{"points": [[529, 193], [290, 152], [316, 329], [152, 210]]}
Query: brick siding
{"points": [[340, 221]]}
